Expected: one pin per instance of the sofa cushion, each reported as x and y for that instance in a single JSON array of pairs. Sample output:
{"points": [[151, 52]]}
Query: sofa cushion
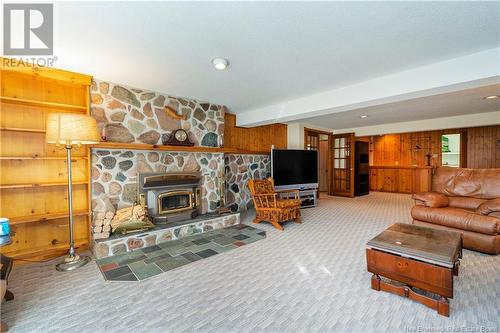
{"points": [[457, 218], [431, 199], [462, 182], [488, 207], [495, 214], [470, 240], [465, 202]]}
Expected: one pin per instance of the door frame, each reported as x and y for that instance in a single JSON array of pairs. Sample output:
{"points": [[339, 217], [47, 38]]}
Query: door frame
{"points": [[463, 145], [329, 158], [351, 137]]}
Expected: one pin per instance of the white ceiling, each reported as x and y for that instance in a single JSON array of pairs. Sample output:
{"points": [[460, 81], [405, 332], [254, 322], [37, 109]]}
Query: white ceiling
{"points": [[469, 101], [278, 51]]}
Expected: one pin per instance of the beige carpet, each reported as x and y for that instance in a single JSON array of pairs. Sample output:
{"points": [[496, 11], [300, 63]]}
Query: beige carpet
{"points": [[307, 278]]}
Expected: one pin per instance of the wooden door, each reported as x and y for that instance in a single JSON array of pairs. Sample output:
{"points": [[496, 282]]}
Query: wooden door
{"points": [[320, 141], [342, 165], [311, 141]]}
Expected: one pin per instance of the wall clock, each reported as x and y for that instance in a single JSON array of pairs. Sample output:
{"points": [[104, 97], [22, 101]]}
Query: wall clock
{"points": [[178, 138]]}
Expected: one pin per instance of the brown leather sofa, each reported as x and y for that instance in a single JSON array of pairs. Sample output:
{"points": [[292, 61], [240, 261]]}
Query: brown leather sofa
{"points": [[463, 200]]}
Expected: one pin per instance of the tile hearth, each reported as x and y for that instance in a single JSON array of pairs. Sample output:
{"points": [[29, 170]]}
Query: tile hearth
{"points": [[118, 244], [153, 260]]}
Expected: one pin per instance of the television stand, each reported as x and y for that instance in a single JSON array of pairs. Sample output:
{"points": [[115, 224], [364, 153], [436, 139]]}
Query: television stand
{"points": [[308, 197]]}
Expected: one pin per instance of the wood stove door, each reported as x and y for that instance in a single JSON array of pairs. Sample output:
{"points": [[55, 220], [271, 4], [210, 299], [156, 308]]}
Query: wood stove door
{"points": [[175, 201]]}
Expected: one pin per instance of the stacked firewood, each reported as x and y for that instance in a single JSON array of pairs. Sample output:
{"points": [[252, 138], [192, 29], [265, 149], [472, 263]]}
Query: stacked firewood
{"points": [[103, 212], [101, 226], [136, 213]]}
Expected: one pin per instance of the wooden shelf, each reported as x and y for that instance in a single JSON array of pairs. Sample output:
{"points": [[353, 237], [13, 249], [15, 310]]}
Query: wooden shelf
{"points": [[195, 149], [29, 102], [43, 72], [76, 158], [45, 252], [15, 129], [45, 217], [37, 204], [12, 186]]}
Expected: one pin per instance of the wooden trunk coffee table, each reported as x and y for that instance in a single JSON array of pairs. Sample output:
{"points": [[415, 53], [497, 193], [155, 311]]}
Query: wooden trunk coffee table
{"points": [[421, 263]]}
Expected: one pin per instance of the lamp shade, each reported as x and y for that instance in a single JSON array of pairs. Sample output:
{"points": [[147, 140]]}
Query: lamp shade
{"points": [[71, 129]]}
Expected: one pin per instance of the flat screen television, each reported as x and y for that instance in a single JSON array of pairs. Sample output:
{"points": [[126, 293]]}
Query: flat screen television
{"points": [[294, 168]]}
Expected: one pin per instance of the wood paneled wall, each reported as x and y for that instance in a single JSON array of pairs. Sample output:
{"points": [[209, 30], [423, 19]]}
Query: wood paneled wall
{"points": [[483, 147], [480, 145], [399, 160], [408, 149], [258, 139], [400, 179]]}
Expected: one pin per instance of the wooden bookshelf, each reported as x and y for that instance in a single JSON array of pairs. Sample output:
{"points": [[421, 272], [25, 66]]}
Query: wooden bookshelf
{"points": [[40, 185], [46, 217], [33, 181], [50, 105], [73, 159], [29, 130], [46, 252]]}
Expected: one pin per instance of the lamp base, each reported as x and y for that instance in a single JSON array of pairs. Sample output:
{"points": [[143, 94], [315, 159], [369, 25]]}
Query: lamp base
{"points": [[72, 262]]}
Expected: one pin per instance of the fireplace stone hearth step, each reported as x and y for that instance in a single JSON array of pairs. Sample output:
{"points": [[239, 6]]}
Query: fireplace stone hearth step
{"points": [[156, 259], [119, 244]]}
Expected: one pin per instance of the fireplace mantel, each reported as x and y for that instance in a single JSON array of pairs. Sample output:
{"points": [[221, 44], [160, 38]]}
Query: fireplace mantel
{"points": [[194, 149]]}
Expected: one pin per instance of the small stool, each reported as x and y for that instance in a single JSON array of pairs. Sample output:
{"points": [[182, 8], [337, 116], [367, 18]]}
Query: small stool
{"points": [[6, 268], [7, 263]]}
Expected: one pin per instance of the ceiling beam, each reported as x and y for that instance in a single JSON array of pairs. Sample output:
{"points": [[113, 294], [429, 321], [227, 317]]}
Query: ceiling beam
{"points": [[470, 71], [463, 121]]}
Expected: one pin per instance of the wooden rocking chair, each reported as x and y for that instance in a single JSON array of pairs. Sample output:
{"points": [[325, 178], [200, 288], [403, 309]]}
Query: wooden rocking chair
{"points": [[274, 206]]}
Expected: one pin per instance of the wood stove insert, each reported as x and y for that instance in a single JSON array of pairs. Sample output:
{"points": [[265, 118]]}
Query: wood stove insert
{"points": [[170, 197]]}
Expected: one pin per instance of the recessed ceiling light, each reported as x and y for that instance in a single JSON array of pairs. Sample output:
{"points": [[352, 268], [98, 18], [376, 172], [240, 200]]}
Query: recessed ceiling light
{"points": [[220, 63], [363, 116], [492, 97]]}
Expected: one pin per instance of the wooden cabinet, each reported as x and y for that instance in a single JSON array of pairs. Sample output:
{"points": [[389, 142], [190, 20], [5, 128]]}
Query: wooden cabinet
{"points": [[405, 180], [422, 178], [361, 168], [400, 179], [257, 139], [386, 180], [33, 181]]}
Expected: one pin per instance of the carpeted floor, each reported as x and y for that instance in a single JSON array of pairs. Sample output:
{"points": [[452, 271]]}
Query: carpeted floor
{"points": [[308, 278]]}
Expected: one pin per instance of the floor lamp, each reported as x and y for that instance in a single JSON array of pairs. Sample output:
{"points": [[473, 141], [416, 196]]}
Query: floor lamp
{"points": [[70, 130]]}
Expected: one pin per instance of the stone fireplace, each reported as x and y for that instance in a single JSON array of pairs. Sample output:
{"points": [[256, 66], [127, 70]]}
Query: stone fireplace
{"points": [[135, 116], [170, 197]]}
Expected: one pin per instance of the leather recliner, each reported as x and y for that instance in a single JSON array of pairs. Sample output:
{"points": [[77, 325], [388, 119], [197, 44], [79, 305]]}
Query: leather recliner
{"points": [[463, 200]]}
